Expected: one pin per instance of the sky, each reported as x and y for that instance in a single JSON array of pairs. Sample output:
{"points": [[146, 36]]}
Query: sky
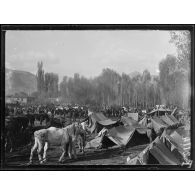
{"points": [[87, 52]]}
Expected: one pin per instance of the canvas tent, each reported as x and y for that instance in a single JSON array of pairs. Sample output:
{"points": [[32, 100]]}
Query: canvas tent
{"points": [[158, 153], [158, 124], [162, 154], [170, 120], [132, 123], [121, 136], [180, 138], [107, 122], [97, 121], [134, 116], [143, 121], [173, 118], [98, 141], [131, 134], [127, 135], [174, 111], [138, 132], [171, 148], [177, 112], [127, 121], [167, 120], [159, 111]]}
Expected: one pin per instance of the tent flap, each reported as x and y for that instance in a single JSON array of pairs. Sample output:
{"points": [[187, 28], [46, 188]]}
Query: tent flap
{"points": [[107, 122], [134, 116], [121, 134], [167, 120], [97, 120], [158, 124]]}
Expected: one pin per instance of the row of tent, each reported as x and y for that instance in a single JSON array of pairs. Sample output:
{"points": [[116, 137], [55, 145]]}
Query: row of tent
{"points": [[161, 122], [129, 133], [171, 148], [97, 121]]}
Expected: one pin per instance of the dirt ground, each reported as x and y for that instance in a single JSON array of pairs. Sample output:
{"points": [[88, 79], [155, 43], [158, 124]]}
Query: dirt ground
{"points": [[111, 156]]}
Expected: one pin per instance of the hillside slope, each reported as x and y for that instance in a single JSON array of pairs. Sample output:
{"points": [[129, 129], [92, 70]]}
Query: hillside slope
{"points": [[19, 81]]}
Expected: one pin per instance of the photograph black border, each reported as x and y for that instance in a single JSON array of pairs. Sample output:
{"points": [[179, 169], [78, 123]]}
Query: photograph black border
{"points": [[42, 27]]}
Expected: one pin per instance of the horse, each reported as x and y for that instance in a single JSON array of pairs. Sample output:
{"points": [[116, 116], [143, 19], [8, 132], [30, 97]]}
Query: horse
{"points": [[66, 138]]}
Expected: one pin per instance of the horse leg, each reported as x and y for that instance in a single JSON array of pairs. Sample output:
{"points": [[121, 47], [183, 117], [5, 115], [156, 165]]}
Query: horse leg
{"points": [[33, 150], [70, 150], [39, 150], [80, 144], [83, 143], [74, 150], [83, 147], [45, 152], [11, 145], [61, 159], [8, 144]]}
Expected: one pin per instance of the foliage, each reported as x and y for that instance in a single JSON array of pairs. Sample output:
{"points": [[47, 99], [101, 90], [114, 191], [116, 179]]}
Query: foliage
{"points": [[51, 84], [40, 77], [182, 41], [174, 71], [110, 88], [47, 84]]}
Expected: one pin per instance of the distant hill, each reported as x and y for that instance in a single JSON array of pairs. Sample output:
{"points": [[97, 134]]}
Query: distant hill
{"points": [[19, 81]]}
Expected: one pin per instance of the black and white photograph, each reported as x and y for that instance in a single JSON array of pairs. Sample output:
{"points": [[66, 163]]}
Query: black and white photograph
{"points": [[97, 96]]}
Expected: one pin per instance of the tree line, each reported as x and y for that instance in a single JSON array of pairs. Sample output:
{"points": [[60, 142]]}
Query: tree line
{"points": [[170, 87], [175, 71], [47, 83], [111, 88]]}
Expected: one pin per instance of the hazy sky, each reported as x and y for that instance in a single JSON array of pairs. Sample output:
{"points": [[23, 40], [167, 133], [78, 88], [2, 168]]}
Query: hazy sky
{"points": [[87, 52]]}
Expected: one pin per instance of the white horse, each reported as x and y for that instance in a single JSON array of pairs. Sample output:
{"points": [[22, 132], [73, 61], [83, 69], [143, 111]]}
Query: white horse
{"points": [[65, 138]]}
